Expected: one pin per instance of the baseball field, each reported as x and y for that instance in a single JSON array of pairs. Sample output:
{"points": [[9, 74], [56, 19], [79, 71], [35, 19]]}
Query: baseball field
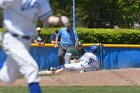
{"points": [[102, 81], [101, 89]]}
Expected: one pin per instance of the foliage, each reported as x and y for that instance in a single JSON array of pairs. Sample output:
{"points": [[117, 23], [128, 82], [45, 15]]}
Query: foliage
{"points": [[110, 36], [106, 36], [98, 13]]}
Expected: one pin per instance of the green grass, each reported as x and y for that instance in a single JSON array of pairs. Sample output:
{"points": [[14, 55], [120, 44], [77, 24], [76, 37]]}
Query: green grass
{"points": [[102, 89]]}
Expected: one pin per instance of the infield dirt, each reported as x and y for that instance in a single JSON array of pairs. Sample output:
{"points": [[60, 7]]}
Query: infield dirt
{"points": [[117, 77]]}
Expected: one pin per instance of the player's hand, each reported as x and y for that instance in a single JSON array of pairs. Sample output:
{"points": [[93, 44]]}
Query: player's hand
{"points": [[41, 44], [55, 20], [56, 45]]}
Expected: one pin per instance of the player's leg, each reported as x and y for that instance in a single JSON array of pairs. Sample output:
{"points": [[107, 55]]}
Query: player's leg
{"points": [[34, 87], [60, 55], [70, 66], [59, 67], [69, 48], [9, 70], [29, 68], [67, 58], [73, 66], [18, 50]]}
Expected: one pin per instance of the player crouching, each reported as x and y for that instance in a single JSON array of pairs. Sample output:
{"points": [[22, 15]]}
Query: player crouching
{"points": [[88, 61]]}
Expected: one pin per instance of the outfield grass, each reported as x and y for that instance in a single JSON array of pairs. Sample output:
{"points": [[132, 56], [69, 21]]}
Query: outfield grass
{"points": [[74, 89]]}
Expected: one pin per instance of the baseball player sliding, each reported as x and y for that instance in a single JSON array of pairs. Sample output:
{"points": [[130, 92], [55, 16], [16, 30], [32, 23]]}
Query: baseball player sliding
{"points": [[20, 18], [86, 62]]}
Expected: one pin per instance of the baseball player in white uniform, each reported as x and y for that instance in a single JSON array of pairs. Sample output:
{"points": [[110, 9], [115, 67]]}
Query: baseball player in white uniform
{"points": [[20, 18], [86, 62]]}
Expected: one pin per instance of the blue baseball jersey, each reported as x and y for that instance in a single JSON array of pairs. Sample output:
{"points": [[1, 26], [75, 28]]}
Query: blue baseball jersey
{"points": [[88, 59], [20, 16]]}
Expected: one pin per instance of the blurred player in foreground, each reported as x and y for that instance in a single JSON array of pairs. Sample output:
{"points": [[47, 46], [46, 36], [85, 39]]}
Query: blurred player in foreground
{"points": [[20, 18], [88, 61]]}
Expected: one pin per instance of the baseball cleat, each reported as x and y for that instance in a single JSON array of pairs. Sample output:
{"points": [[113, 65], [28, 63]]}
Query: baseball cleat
{"points": [[56, 71], [45, 72], [52, 69], [59, 70]]}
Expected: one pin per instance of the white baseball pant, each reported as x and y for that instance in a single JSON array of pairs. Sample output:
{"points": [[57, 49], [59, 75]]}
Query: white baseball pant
{"points": [[18, 60]]}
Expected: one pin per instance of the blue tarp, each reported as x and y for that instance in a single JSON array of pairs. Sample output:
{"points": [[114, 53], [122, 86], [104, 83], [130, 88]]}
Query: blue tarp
{"points": [[113, 58], [121, 58]]}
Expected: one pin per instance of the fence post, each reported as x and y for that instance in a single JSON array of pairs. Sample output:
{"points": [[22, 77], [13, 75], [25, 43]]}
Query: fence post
{"points": [[101, 56]]}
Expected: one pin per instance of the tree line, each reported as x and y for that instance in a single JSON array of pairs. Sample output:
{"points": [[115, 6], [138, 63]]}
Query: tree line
{"points": [[98, 13]]}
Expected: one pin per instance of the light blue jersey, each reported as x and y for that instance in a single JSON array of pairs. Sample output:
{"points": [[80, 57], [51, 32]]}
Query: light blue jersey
{"points": [[20, 16], [67, 38]]}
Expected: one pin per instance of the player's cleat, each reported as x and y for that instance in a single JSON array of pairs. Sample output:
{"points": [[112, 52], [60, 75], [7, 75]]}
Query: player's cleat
{"points": [[59, 70], [53, 70], [45, 72]]}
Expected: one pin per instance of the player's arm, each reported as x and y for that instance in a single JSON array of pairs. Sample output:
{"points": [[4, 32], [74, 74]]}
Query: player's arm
{"points": [[7, 3], [56, 41], [53, 20], [52, 39], [57, 37], [45, 13], [39, 43], [36, 42], [45, 10]]}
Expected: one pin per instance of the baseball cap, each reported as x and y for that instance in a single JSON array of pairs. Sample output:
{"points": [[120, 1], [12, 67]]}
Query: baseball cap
{"points": [[78, 43], [38, 29]]}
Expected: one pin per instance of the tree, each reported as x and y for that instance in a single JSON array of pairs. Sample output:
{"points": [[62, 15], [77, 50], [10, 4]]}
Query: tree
{"points": [[98, 13]]}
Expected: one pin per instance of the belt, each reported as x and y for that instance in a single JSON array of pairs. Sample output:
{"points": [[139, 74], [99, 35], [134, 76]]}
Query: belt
{"points": [[19, 36]]}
